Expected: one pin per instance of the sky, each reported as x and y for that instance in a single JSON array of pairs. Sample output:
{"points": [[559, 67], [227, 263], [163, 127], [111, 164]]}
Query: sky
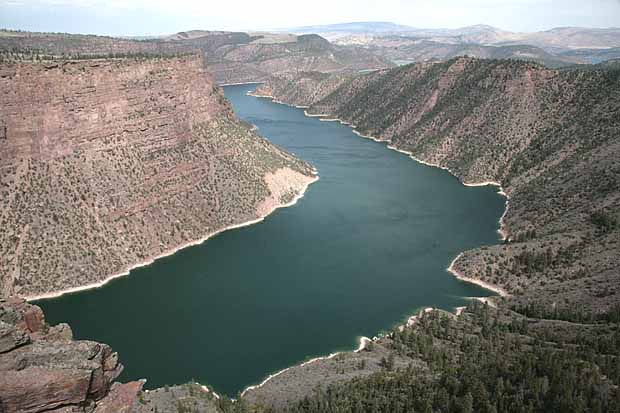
{"points": [[150, 17]]}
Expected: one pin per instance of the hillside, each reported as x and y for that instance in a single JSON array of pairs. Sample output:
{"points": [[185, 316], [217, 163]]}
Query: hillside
{"points": [[258, 60], [565, 38], [109, 163], [549, 137], [593, 56], [231, 57], [553, 48], [413, 49]]}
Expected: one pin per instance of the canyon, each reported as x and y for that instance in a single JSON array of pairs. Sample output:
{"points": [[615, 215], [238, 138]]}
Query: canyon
{"points": [[112, 163], [546, 136], [108, 163]]}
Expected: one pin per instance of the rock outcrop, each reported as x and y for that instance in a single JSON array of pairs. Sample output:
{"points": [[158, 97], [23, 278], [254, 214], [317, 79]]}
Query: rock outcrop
{"points": [[110, 163], [43, 369]]}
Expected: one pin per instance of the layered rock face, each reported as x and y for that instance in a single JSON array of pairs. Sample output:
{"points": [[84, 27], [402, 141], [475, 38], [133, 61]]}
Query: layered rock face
{"points": [[549, 137], [109, 163], [43, 369]]}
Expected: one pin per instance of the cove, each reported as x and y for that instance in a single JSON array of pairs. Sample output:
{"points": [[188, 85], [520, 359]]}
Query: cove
{"points": [[365, 248]]}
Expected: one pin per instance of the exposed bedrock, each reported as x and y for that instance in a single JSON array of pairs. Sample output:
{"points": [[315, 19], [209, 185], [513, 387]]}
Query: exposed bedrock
{"points": [[42, 368]]}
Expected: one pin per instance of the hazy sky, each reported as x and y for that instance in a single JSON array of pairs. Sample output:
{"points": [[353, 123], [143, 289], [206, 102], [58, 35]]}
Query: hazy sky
{"points": [[136, 17]]}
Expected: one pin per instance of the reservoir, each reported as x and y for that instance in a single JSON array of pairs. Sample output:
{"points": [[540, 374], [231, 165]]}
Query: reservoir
{"points": [[367, 246]]}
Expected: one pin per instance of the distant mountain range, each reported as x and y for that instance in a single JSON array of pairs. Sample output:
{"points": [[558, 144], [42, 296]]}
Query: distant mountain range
{"points": [[556, 47], [562, 37], [354, 27]]}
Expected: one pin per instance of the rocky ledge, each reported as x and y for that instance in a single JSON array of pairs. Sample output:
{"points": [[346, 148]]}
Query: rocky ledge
{"points": [[43, 369]]}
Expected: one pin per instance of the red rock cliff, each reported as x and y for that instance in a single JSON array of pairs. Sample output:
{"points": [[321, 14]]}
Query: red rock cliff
{"points": [[109, 163]]}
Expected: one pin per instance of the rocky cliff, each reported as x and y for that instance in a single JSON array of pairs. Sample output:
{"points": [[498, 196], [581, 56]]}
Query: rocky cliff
{"points": [[43, 369], [550, 138], [109, 163]]}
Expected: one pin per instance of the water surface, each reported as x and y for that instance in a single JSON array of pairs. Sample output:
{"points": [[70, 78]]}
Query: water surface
{"points": [[367, 246]]}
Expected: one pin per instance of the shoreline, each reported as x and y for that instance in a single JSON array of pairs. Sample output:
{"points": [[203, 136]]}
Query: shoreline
{"points": [[239, 84], [275, 100], [412, 319], [167, 253], [363, 342], [491, 287], [502, 230]]}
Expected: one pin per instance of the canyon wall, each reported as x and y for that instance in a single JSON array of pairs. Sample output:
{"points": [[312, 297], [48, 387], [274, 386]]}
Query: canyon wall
{"points": [[549, 137], [109, 163]]}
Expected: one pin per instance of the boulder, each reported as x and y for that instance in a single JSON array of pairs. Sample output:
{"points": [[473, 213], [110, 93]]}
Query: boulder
{"points": [[43, 369]]}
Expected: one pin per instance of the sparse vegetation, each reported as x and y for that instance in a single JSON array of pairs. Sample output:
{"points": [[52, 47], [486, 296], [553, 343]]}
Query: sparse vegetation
{"points": [[549, 137], [141, 181]]}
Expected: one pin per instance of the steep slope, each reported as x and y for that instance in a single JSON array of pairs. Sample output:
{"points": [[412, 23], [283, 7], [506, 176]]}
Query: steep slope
{"points": [[549, 137], [258, 60], [301, 88], [107, 164]]}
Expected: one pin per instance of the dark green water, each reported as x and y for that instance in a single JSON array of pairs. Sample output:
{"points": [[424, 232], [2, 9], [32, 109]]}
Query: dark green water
{"points": [[366, 247]]}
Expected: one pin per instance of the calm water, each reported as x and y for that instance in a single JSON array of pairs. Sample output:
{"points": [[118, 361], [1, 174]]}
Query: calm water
{"points": [[367, 246]]}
